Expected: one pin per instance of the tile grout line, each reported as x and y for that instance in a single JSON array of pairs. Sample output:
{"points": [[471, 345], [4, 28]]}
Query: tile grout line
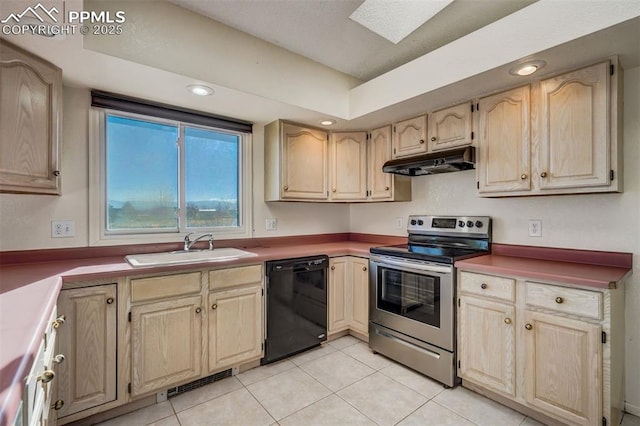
{"points": [[454, 411]]}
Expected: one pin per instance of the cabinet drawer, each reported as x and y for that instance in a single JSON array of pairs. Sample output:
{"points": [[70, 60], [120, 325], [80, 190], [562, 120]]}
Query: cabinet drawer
{"points": [[164, 287], [584, 303], [488, 285], [230, 277]]}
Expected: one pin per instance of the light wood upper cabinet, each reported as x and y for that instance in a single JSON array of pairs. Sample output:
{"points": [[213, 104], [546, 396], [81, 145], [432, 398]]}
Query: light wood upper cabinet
{"points": [[575, 129], [360, 304], [450, 127], [381, 184], [486, 342], [87, 377], [504, 141], [296, 162], [30, 122], [410, 137], [563, 367], [349, 166], [339, 294], [166, 343], [235, 326]]}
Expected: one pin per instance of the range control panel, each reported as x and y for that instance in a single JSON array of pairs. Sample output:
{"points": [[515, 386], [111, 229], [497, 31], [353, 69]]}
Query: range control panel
{"points": [[424, 224]]}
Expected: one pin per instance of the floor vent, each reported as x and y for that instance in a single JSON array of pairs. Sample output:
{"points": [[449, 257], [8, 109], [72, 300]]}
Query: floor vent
{"points": [[198, 383]]}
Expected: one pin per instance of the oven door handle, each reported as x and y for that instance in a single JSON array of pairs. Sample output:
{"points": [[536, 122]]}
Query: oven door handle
{"points": [[415, 266]]}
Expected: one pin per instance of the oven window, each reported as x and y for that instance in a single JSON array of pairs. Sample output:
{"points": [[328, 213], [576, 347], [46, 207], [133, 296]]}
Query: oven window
{"points": [[411, 295]]}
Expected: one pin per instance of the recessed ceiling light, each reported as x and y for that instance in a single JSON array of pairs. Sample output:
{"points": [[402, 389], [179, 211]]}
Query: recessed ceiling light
{"points": [[527, 68], [328, 122], [394, 20], [200, 90]]}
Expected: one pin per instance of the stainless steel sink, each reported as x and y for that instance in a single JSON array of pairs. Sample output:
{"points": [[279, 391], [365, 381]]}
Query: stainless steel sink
{"points": [[191, 256]]}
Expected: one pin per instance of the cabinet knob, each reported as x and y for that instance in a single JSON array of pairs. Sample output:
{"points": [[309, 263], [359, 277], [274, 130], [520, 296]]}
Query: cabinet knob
{"points": [[523, 176], [58, 359], [483, 286], [47, 376], [286, 188], [110, 301], [528, 326], [364, 268], [214, 306], [57, 405], [559, 300], [59, 321], [386, 188], [198, 310], [333, 268], [421, 141], [507, 321], [433, 139], [56, 173], [543, 174], [334, 190]]}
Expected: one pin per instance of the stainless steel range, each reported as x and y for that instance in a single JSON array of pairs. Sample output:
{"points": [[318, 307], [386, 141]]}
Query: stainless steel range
{"points": [[412, 297]]}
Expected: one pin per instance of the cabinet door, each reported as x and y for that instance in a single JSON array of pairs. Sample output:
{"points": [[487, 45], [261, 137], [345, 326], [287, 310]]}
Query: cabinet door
{"points": [[360, 283], [450, 127], [304, 163], [30, 123], [166, 344], [410, 137], [349, 166], [504, 142], [340, 311], [235, 326], [563, 367], [380, 183], [88, 342], [486, 344], [575, 129]]}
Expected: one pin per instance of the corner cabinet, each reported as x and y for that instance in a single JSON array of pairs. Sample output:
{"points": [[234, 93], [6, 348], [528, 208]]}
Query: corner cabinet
{"points": [[348, 295], [30, 122], [554, 350], [561, 135], [296, 163]]}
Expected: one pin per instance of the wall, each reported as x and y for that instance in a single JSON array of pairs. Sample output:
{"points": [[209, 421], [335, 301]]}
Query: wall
{"points": [[25, 220], [599, 222]]}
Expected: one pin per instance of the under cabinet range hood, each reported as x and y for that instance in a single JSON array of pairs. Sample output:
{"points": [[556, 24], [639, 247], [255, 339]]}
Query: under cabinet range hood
{"points": [[435, 162]]}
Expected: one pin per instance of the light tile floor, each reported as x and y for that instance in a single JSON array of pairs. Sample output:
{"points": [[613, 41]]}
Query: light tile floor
{"points": [[340, 383]]}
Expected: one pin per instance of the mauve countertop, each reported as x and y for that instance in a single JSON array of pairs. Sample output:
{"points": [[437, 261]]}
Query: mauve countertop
{"points": [[29, 291]]}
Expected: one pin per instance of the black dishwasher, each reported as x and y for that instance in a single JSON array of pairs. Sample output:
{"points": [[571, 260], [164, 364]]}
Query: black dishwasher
{"points": [[296, 306]]}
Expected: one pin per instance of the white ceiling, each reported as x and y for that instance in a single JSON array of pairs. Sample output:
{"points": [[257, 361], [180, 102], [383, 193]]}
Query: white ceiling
{"points": [[322, 31]]}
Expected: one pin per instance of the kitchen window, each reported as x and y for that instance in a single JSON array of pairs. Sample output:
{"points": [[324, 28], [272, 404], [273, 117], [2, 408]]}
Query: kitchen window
{"points": [[157, 177]]}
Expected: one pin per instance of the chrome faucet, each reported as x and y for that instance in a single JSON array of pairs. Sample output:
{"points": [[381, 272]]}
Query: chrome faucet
{"points": [[188, 243]]}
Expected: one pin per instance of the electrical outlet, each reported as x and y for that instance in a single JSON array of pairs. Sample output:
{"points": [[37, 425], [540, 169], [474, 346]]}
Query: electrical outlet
{"points": [[62, 228], [398, 223], [535, 228], [272, 224]]}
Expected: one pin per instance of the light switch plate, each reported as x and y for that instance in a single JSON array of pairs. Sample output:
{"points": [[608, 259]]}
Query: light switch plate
{"points": [[535, 228], [63, 228], [271, 224], [398, 222]]}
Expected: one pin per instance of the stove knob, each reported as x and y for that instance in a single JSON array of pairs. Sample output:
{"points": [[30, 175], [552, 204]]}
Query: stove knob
{"points": [[420, 222], [479, 224], [413, 222], [461, 224], [469, 224]]}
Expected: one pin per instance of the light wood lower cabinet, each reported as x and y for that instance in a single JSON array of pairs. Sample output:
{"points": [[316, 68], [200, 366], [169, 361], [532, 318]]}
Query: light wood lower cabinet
{"points": [[87, 376], [348, 295], [166, 343], [235, 326], [553, 349]]}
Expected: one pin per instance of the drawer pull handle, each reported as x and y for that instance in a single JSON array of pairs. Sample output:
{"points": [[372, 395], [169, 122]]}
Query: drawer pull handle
{"points": [[364, 268], [543, 174], [214, 306], [110, 301], [483, 286], [58, 359], [286, 188], [559, 300], [56, 173], [386, 188], [333, 268], [507, 321], [528, 326], [198, 310], [58, 405], [59, 321], [523, 176], [47, 376], [421, 141]]}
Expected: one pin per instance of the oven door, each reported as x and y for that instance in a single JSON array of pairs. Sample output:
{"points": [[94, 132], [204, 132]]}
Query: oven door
{"points": [[414, 298]]}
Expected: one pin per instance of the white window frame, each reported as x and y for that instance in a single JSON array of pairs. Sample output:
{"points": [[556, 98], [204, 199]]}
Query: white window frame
{"points": [[98, 234]]}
